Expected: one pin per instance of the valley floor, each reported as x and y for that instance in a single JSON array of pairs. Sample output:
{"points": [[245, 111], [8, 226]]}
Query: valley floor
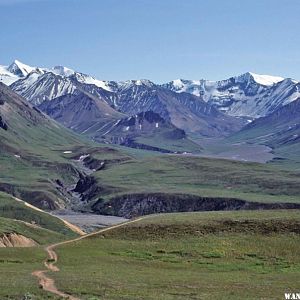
{"points": [[88, 221], [218, 148]]}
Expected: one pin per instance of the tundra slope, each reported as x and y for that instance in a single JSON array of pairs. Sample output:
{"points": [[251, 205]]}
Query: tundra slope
{"points": [[38, 157]]}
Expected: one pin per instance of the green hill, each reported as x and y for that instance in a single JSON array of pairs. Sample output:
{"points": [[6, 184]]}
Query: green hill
{"points": [[16, 210], [228, 255], [37, 154]]}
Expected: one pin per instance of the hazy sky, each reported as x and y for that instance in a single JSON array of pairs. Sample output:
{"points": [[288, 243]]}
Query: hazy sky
{"points": [[156, 39]]}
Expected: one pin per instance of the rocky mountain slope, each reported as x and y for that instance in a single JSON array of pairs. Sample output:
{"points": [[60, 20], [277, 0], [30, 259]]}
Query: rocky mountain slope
{"points": [[92, 116], [279, 128], [82, 112], [185, 111], [58, 92], [149, 131]]}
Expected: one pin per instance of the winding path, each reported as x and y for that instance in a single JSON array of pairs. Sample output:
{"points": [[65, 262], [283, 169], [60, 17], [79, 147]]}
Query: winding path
{"points": [[47, 283]]}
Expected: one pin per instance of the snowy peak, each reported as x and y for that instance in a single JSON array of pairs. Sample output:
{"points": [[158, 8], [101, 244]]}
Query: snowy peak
{"points": [[19, 69], [180, 83], [144, 82], [131, 83], [13, 72], [62, 71], [194, 87], [265, 80], [87, 79], [80, 77]]}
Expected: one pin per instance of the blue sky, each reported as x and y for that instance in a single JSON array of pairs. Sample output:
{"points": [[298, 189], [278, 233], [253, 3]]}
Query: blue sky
{"points": [[156, 39]]}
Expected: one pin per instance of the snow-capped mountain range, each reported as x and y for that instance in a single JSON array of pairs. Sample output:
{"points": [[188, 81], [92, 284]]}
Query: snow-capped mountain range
{"points": [[35, 82], [249, 95]]}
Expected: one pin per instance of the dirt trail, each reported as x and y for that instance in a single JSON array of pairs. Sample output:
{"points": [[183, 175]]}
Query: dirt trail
{"points": [[47, 283], [73, 227]]}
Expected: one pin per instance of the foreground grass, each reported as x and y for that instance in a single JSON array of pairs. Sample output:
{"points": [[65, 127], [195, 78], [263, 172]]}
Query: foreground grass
{"points": [[16, 266], [239, 255]]}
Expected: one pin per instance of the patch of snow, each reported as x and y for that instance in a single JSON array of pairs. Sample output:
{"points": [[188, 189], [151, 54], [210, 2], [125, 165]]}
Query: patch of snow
{"points": [[91, 80], [62, 71], [105, 125], [32, 77], [89, 128], [178, 83], [110, 129], [82, 157], [7, 77], [266, 79]]}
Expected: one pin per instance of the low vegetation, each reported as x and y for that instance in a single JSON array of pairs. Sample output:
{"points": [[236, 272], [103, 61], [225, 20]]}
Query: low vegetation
{"points": [[13, 209], [202, 177], [187, 256], [16, 266], [38, 234]]}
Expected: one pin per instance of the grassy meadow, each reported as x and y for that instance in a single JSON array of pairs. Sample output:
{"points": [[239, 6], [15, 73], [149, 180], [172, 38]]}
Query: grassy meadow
{"points": [[17, 264], [225, 255], [200, 176]]}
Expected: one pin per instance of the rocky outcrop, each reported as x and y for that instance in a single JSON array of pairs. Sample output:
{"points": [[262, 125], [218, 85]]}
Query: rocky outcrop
{"points": [[134, 205], [16, 240], [132, 144], [88, 188], [3, 125], [93, 164], [41, 199]]}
